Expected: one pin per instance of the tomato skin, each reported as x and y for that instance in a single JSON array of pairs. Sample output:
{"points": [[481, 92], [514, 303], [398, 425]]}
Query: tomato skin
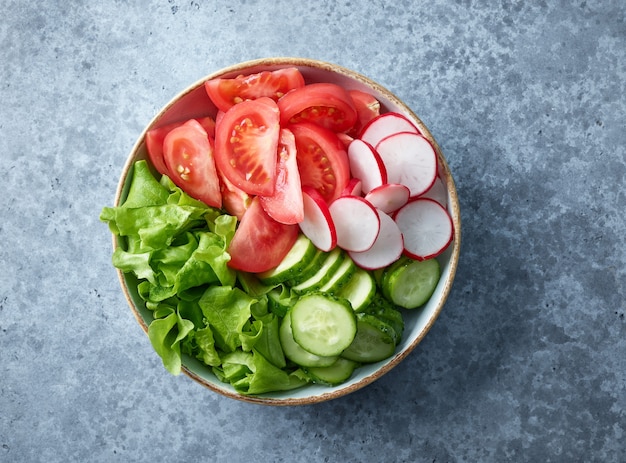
{"points": [[155, 137], [246, 139], [188, 156], [235, 201], [367, 108], [322, 159], [286, 204], [325, 104], [273, 84], [260, 242]]}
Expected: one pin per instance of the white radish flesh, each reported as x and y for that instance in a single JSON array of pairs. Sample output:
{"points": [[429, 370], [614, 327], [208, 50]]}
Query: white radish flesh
{"points": [[388, 197], [410, 160], [386, 249], [384, 125], [318, 224], [366, 165], [438, 192], [426, 227], [356, 223]]}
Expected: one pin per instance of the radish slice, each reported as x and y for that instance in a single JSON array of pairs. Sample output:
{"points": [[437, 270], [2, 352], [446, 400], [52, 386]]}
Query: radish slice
{"points": [[356, 222], [438, 192], [410, 160], [387, 248], [426, 227], [366, 164], [388, 197], [384, 125], [317, 225], [353, 188]]}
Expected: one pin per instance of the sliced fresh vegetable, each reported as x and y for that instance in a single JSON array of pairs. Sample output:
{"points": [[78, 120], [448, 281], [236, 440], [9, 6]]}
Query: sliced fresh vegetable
{"points": [[260, 242], [294, 352], [374, 341], [410, 160], [322, 159], [246, 142], [359, 290], [339, 277], [366, 165], [285, 205], [367, 108], [437, 192], [188, 155], [426, 227], [331, 262], [235, 201], [357, 223], [411, 283], [155, 137], [386, 249], [388, 197], [324, 104], [323, 325], [353, 188], [384, 125], [299, 257], [226, 92], [317, 223], [335, 374]]}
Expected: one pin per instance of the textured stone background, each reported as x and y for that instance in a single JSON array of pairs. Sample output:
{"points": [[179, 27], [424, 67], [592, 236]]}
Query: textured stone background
{"points": [[527, 362]]}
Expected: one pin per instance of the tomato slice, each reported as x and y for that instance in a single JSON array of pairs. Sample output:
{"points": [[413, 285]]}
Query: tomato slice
{"points": [[188, 155], [235, 201], [273, 84], [246, 139], [325, 104], [322, 159], [155, 137], [260, 243], [367, 108], [286, 204]]}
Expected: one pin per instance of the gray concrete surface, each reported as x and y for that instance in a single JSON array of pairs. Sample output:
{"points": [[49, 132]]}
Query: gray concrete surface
{"points": [[527, 361]]}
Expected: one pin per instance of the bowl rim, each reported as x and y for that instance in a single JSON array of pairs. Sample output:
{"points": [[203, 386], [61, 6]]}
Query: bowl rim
{"points": [[453, 208]]}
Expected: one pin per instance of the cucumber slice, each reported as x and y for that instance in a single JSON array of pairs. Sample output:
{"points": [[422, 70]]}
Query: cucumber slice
{"points": [[297, 354], [323, 324], [384, 310], [340, 277], [297, 259], [360, 289], [332, 261], [374, 340], [309, 270], [411, 283], [337, 373], [280, 300]]}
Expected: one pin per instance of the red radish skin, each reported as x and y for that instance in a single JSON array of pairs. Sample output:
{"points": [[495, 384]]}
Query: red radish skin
{"points": [[384, 125], [387, 248], [317, 224], [389, 197], [426, 227], [366, 164], [353, 188], [410, 160], [356, 222]]}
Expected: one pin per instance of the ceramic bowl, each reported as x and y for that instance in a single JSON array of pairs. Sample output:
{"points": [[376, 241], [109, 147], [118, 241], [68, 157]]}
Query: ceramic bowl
{"points": [[194, 102]]}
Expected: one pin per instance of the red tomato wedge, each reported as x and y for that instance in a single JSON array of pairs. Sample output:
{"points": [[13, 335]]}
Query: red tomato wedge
{"points": [[188, 155], [260, 242], [235, 201], [322, 159], [367, 108], [155, 137], [325, 104], [273, 84], [246, 140], [286, 204]]}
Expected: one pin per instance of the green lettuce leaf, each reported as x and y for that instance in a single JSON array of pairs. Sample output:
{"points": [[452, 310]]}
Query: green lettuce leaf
{"points": [[165, 336]]}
